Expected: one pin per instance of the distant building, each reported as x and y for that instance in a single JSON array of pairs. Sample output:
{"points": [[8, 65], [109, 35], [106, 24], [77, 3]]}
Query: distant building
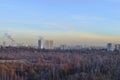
{"points": [[117, 47], [40, 44], [110, 47], [51, 44], [113, 47], [4, 44], [63, 47], [78, 47], [48, 44]]}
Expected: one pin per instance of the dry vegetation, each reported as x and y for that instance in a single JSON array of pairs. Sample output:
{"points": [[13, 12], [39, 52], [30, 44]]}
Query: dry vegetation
{"points": [[59, 65]]}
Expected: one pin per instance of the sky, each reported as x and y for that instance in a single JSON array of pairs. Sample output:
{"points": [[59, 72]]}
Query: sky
{"points": [[90, 22]]}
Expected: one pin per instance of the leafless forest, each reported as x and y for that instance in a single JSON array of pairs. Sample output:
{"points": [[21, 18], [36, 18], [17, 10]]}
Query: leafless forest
{"points": [[33, 64]]}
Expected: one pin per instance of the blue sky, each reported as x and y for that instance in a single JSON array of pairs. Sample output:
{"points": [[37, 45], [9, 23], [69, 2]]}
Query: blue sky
{"points": [[94, 17]]}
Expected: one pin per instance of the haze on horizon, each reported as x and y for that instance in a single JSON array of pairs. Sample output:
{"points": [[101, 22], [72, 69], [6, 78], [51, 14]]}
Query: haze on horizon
{"points": [[93, 22]]}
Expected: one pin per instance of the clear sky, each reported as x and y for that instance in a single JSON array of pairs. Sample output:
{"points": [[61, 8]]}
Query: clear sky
{"points": [[67, 21]]}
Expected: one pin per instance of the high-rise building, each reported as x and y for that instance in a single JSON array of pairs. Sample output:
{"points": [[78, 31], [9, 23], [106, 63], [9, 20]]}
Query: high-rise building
{"points": [[40, 44], [117, 47], [48, 44], [51, 45], [110, 47], [4, 44]]}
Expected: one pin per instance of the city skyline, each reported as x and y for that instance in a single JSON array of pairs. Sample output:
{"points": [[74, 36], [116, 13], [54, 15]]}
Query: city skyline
{"points": [[93, 22]]}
